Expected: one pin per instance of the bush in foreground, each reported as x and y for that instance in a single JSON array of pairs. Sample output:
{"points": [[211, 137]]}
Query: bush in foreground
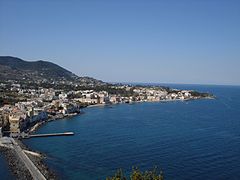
{"points": [[136, 174]]}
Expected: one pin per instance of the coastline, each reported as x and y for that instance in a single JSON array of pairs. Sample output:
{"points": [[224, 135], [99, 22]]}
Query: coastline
{"points": [[61, 116], [19, 170], [150, 101], [53, 118]]}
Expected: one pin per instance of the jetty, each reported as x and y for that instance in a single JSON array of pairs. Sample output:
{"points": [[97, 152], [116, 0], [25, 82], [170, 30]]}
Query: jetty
{"points": [[49, 135]]}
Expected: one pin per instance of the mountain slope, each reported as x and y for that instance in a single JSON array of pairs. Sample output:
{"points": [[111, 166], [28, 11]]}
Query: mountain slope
{"points": [[12, 68], [37, 69]]}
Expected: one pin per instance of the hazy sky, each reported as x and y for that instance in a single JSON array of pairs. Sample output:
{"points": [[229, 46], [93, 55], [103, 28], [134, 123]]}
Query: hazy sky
{"points": [[181, 41]]}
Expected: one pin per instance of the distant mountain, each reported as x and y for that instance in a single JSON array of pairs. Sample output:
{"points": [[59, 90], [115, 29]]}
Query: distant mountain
{"points": [[12, 68]]}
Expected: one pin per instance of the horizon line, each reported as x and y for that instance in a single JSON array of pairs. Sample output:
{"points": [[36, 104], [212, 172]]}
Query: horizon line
{"points": [[171, 83]]}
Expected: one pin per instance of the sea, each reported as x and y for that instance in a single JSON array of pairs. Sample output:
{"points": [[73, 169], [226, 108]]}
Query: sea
{"points": [[198, 139], [4, 169]]}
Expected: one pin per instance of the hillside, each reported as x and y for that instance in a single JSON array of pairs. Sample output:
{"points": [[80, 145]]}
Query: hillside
{"points": [[12, 68]]}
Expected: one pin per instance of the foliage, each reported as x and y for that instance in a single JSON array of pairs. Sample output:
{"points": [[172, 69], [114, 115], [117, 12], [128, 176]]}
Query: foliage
{"points": [[198, 94], [136, 174], [118, 176]]}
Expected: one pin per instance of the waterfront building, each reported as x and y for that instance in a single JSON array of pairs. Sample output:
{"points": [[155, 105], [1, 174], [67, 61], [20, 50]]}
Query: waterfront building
{"points": [[114, 99], [101, 98], [4, 115], [18, 122], [1, 135], [69, 108], [88, 100], [38, 114]]}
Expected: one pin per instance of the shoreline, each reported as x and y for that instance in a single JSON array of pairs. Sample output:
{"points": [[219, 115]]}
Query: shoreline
{"points": [[149, 101], [61, 116], [50, 119]]}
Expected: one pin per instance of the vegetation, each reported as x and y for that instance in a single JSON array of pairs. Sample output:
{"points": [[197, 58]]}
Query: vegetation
{"points": [[195, 93], [136, 174]]}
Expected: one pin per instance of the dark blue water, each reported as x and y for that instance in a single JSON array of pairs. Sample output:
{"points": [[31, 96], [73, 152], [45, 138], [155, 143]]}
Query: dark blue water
{"points": [[187, 140], [4, 169]]}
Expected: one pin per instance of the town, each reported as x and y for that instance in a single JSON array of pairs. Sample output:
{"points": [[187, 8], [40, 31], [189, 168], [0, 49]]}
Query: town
{"points": [[22, 109]]}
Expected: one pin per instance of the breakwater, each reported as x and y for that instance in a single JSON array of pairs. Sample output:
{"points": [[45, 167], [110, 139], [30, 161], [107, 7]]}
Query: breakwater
{"points": [[24, 163]]}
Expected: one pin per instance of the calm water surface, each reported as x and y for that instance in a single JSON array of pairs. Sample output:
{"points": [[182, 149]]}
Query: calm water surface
{"points": [[4, 170], [188, 140]]}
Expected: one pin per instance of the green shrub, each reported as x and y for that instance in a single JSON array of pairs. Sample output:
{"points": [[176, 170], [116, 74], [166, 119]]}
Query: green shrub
{"points": [[136, 174]]}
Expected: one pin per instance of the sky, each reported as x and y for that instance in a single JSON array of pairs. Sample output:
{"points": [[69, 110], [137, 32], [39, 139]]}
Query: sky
{"points": [[153, 41]]}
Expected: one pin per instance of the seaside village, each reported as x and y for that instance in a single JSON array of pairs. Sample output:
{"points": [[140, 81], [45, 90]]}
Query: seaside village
{"points": [[49, 104]]}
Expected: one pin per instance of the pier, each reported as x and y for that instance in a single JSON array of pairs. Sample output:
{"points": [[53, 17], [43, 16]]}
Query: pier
{"points": [[49, 135]]}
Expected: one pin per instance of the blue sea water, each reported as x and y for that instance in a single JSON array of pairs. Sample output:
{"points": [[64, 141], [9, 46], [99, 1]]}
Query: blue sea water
{"points": [[4, 169], [188, 140]]}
